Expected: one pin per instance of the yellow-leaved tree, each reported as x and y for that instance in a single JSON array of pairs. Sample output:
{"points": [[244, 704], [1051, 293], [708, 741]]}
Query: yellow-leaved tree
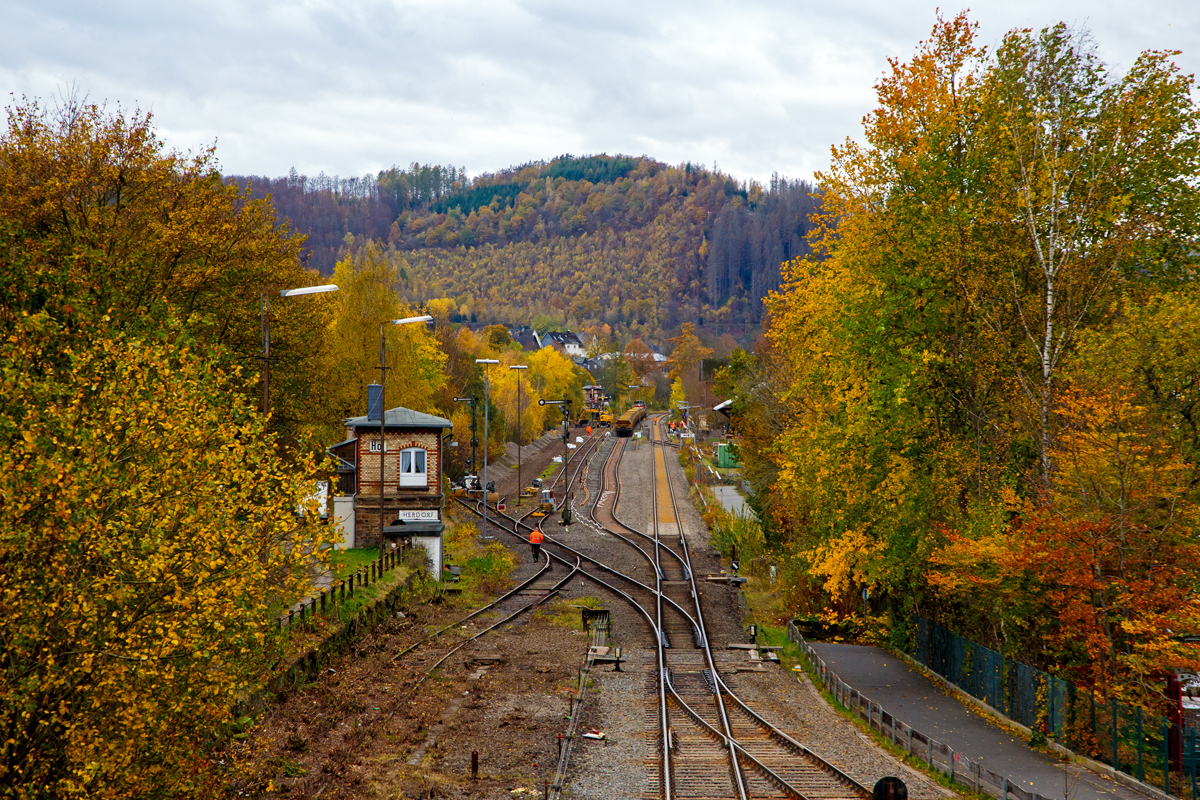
{"points": [[151, 521], [150, 526], [164, 236], [367, 299]]}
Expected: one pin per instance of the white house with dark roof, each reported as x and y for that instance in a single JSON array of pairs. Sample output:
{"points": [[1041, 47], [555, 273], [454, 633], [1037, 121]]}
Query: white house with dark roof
{"points": [[569, 342], [410, 495]]}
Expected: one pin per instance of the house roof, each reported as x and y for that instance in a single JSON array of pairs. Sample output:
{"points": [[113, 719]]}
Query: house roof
{"points": [[400, 417], [333, 452], [425, 528], [528, 341], [563, 337]]}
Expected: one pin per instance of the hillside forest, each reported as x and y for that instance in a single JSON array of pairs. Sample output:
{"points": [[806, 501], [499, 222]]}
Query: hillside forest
{"points": [[977, 399], [574, 243]]}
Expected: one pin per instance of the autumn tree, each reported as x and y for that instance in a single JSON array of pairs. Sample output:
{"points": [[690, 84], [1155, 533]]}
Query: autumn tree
{"points": [[150, 529], [165, 236], [1097, 175], [151, 523], [961, 350], [366, 300], [641, 358], [687, 353]]}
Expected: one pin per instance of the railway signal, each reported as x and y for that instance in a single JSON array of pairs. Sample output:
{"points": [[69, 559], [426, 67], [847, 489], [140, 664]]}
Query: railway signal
{"points": [[566, 437], [474, 439]]}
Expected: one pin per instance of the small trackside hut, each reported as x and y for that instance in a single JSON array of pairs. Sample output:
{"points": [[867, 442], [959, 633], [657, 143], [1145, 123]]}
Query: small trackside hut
{"points": [[410, 496]]}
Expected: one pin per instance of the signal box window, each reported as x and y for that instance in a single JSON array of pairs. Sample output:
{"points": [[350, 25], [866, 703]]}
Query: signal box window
{"points": [[412, 467]]}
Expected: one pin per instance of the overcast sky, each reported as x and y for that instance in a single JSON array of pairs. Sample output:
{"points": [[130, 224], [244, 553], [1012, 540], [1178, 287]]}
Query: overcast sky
{"points": [[351, 87]]}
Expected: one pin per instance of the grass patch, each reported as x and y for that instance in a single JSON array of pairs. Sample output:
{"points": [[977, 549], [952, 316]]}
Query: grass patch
{"points": [[346, 562], [485, 565], [565, 613]]}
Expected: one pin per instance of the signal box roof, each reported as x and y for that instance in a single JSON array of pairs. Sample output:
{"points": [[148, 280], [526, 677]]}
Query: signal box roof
{"points": [[400, 417]]}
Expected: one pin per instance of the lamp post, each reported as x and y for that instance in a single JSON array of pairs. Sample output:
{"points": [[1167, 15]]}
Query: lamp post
{"points": [[265, 324], [383, 368], [520, 485], [487, 375]]}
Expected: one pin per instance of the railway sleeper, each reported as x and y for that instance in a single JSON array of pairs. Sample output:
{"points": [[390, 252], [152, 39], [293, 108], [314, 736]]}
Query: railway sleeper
{"points": [[739, 753], [826, 768]]}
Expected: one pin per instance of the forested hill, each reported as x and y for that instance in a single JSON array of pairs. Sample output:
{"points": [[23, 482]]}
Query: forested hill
{"points": [[630, 242]]}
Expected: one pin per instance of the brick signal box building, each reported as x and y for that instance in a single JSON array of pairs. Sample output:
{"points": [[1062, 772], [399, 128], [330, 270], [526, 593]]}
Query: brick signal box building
{"points": [[412, 500]]}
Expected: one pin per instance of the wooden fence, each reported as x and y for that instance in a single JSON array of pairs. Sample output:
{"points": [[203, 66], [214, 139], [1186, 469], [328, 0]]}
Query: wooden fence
{"points": [[338, 593]]}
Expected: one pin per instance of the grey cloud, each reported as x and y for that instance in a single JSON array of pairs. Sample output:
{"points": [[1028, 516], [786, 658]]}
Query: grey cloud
{"points": [[352, 87]]}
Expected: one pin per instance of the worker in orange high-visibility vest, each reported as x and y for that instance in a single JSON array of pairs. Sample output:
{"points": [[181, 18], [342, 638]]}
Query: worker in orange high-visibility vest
{"points": [[535, 539]]}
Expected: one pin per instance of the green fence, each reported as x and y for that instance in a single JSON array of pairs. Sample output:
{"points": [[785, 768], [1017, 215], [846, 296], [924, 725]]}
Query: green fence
{"points": [[1143, 745]]}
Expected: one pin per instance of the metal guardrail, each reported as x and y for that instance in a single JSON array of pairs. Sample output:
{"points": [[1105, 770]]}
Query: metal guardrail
{"points": [[937, 755]]}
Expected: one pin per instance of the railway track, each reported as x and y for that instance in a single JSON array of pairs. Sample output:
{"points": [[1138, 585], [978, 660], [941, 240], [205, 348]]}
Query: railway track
{"points": [[711, 744], [524, 597]]}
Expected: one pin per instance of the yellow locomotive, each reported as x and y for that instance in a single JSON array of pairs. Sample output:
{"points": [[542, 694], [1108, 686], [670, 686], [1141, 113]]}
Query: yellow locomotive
{"points": [[630, 420]]}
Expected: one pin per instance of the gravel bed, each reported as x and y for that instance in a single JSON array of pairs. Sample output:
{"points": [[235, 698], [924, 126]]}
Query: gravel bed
{"points": [[625, 767], [789, 701], [613, 769]]}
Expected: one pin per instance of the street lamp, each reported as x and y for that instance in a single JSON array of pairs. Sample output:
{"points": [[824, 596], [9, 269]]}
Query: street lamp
{"points": [[487, 362], [383, 368], [630, 387], [265, 324], [520, 485]]}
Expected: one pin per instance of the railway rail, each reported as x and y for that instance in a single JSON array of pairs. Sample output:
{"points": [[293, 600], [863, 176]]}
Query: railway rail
{"points": [[711, 743]]}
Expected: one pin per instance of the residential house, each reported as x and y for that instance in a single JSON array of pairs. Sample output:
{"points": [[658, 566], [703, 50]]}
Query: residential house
{"points": [[569, 342]]}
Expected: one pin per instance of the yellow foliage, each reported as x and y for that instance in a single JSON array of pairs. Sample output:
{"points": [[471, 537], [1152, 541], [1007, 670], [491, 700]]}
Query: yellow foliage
{"points": [[367, 298], [150, 528], [845, 561]]}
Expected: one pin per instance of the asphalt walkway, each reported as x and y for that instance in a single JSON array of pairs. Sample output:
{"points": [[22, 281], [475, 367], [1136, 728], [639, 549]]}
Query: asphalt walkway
{"points": [[731, 499], [917, 701]]}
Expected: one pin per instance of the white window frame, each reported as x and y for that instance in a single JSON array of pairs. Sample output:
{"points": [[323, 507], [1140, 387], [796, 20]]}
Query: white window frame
{"points": [[412, 477]]}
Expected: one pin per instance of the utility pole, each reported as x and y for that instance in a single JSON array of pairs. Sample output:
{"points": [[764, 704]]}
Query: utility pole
{"points": [[487, 378], [566, 409], [520, 485], [383, 368]]}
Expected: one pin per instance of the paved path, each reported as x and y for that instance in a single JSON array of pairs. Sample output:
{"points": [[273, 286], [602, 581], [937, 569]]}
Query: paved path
{"points": [[914, 699], [732, 500]]}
